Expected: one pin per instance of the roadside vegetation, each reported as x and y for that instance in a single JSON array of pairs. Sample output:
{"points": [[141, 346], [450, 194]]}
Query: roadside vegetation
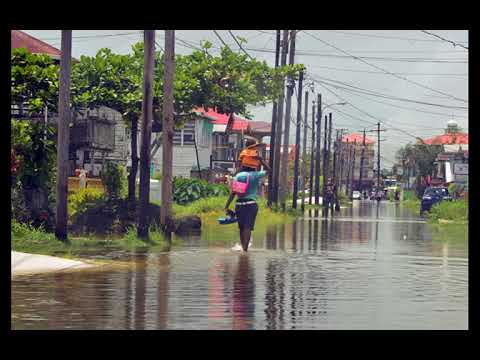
{"points": [[29, 239]]}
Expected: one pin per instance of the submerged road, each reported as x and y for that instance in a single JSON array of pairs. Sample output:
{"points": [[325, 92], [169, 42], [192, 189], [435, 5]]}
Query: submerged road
{"points": [[372, 266]]}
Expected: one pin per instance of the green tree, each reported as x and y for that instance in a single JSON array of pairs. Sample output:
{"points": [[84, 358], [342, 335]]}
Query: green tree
{"points": [[229, 83]]}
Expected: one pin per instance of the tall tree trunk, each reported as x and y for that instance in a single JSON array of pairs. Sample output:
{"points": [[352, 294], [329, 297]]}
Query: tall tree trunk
{"points": [[133, 171]]}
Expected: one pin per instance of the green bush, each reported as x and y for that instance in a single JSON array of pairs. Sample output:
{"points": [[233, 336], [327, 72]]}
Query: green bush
{"points": [[114, 179], [186, 191], [449, 210], [83, 199]]}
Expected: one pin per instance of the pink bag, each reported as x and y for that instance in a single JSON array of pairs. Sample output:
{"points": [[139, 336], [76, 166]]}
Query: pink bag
{"points": [[240, 188]]}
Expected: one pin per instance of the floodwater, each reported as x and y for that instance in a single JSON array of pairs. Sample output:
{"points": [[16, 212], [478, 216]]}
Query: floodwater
{"points": [[370, 267]]}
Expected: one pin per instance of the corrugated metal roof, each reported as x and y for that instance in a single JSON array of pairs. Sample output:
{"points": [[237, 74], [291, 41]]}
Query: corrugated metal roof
{"points": [[20, 39]]}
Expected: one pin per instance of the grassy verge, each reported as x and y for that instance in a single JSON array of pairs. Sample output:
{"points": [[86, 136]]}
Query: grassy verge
{"points": [[26, 238], [449, 211], [410, 200]]}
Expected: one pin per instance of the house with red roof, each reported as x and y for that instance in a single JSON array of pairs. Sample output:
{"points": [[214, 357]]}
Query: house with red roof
{"points": [[452, 162], [20, 39], [354, 142], [228, 135], [109, 138]]}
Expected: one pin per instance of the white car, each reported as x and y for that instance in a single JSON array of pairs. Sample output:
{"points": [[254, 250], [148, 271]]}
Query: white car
{"points": [[356, 195]]}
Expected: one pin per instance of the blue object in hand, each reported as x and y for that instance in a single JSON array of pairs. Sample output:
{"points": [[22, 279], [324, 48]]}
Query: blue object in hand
{"points": [[227, 220], [230, 219]]}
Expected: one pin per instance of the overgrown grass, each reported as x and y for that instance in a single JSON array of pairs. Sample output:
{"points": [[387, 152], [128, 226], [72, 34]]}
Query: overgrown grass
{"points": [[456, 211], [26, 238], [410, 200]]}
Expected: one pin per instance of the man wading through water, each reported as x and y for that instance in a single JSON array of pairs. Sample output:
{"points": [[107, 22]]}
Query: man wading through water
{"points": [[246, 207]]}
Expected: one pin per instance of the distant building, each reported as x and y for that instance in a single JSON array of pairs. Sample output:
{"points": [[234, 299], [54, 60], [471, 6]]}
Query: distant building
{"points": [[452, 162], [355, 140], [97, 135]]}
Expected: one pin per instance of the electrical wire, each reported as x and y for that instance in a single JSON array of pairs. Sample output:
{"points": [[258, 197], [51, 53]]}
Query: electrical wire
{"points": [[220, 38], [390, 97], [380, 72], [239, 45], [398, 106], [386, 71], [382, 36], [443, 39]]}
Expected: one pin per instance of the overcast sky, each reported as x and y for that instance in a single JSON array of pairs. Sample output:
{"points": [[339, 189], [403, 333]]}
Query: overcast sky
{"points": [[440, 69]]}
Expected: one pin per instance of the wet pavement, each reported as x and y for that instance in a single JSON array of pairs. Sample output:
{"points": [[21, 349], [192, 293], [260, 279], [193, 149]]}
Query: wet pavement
{"points": [[369, 267]]}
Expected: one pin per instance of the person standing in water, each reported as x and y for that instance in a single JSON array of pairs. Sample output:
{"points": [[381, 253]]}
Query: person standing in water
{"points": [[246, 207]]}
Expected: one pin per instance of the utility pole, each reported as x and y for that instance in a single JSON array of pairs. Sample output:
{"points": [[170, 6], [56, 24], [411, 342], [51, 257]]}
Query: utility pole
{"points": [[325, 165], [166, 220], [312, 153], [329, 143], [362, 161], [335, 155], [273, 134], [147, 113], [304, 152], [317, 155], [342, 160], [63, 136], [288, 106], [378, 157], [278, 131], [349, 165], [353, 167], [297, 140]]}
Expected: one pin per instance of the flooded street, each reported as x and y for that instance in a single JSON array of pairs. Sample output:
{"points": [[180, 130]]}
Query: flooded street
{"points": [[370, 267]]}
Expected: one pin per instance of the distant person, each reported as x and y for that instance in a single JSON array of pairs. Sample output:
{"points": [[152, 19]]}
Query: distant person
{"points": [[245, 186]]}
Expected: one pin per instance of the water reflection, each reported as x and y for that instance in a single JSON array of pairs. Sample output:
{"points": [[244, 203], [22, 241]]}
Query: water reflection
{"points": [[361, 269]]}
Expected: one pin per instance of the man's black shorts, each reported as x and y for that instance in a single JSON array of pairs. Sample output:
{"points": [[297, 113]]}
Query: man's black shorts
{"points": [[246, 215]]}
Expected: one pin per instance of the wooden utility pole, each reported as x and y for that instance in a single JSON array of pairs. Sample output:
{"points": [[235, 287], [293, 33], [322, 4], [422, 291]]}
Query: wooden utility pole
{"points": [[318, 151], [342, 160], [274, 128], [329, 143], [166, 220], [353, 167], [304, 152], [278, 131], [378, 157], [146, 126], [297, 141], [63, 136], [325, 164], [286, 143], [335, 157], [312, 154], [362, 161], [349, 159]]}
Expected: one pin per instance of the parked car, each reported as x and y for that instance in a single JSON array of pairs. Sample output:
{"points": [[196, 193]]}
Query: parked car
{"points": [[432, 196], [356, 195]]}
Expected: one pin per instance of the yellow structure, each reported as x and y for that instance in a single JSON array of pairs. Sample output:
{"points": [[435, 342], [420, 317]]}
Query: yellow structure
{"points": [[92, 183]]}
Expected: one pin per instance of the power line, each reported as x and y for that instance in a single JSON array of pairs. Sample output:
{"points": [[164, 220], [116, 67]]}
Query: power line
{"points": [[374, 93], [238, 43], [220, 38], [380, 72], [366, 113], [96, 36], [382, 36], [374, 58], [386, 71], [443, 39], [396, 106]]}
